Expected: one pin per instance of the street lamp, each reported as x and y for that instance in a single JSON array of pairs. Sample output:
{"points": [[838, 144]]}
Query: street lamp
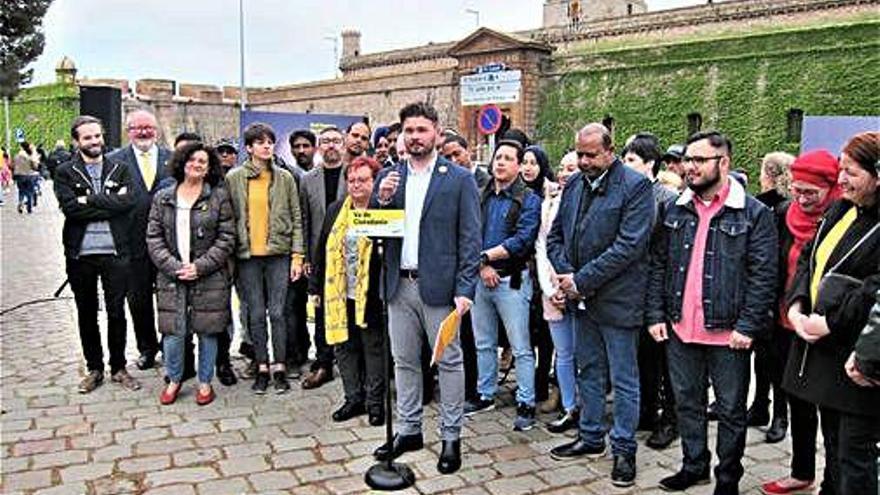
{"points": [[476, 14], [243, 96]]}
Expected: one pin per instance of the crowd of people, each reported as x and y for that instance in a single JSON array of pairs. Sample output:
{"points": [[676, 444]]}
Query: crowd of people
{"points": [[645, 274]]}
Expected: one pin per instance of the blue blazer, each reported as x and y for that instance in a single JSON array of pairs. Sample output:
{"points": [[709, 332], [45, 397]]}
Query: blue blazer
{"points": [[612, 248], [449, 237], [144, 197]]}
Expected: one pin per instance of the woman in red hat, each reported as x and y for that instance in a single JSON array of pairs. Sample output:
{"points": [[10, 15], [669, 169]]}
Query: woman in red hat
{"points": [[813, 188]]}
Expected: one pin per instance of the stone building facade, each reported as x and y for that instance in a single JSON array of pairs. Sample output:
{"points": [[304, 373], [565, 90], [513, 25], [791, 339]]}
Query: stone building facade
{"points": [[377, 85]]}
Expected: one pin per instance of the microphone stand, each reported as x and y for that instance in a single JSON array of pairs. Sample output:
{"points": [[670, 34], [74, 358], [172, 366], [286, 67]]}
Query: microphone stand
{"points": [[388, 475]]}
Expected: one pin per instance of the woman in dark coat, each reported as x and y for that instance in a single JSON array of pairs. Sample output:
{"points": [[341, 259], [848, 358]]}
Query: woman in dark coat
{"points": [[345, 282], [813, 188], [190, 236], [838, 274]]}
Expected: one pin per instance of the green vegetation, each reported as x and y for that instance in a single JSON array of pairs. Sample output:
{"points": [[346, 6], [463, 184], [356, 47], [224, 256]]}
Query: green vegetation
{"points": [[744, 86], [44, 112]]}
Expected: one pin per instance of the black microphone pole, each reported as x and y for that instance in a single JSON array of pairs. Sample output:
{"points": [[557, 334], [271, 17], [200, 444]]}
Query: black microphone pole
{"points": [[388, 475]]}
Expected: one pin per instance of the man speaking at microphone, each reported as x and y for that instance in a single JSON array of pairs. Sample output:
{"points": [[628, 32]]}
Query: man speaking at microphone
{"points": [[429, 272]]}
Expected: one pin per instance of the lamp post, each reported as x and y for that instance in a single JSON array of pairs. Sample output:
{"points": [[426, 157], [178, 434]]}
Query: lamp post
{"points": [[243, 92], [476, 14]]}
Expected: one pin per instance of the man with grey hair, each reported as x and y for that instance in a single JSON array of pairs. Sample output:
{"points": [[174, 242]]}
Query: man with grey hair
{"points": [[598, 246], [146, 161]]}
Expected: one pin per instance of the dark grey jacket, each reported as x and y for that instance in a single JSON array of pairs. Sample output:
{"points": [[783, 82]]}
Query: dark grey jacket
{"points": [[313, 206], [143, 195], [868, 345], [606, 246], [202, 305]]}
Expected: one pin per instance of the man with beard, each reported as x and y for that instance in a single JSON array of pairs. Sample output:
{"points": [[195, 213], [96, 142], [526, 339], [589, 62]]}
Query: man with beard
{"points": [[320, 187], [430, 272], [95, 195], [391, 137], [302, 147], [146, 162], [714, 278], [598, 246]]}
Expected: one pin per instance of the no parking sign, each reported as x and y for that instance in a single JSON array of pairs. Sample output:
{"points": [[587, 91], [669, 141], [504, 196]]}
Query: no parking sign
{"points": [[489, 119]]}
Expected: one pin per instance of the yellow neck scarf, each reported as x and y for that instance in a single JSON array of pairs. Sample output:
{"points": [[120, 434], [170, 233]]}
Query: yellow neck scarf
{"points": [[336, 279], [826, 247]]}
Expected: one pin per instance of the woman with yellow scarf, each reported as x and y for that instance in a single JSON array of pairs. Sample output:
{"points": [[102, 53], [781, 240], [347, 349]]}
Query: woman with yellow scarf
{"points": [[346, 282]]}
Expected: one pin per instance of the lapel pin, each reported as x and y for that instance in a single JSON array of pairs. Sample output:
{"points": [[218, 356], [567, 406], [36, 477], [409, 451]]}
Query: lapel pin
{"points": [[443, 169]]}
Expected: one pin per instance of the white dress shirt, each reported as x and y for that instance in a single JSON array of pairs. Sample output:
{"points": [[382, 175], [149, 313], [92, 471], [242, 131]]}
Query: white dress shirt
{"points": [[416, 190]]}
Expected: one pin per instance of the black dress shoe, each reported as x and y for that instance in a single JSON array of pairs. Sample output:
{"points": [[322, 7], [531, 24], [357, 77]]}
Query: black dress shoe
{"points": [[226, 375], [683, 480], [146, 361], [575, 449], [399, 445], [757, 415], [776, 432], [661, 437], [450, 457], [348, 410], [624, 472], [566, 421], [376, 415]]}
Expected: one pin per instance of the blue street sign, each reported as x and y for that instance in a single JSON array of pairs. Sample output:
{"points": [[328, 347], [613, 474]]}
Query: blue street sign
{"points": [[489, 119]]}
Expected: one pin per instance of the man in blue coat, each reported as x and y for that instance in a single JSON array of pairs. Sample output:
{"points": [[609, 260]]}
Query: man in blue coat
{"points": [[598, 247], [429, 273]]}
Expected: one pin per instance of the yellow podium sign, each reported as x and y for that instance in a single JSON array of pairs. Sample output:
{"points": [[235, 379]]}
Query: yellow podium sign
{"points": [[377, 223]]}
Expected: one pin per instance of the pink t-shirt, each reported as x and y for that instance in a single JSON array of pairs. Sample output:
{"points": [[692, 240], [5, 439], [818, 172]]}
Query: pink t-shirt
{"points": [[691, 328]]}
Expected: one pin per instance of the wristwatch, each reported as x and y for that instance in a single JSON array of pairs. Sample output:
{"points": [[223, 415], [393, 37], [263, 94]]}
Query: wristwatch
{"points": [[484, 258]]}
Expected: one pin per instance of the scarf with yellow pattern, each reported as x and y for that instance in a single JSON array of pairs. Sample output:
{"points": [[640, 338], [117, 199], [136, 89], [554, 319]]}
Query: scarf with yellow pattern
{"points": [[336, 279]]}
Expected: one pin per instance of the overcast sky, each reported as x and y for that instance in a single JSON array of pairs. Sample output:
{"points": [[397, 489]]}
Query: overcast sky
{"points": [[196, 41]]}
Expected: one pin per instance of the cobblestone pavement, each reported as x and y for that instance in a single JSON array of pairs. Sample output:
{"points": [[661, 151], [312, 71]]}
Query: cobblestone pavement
{"points": [[56, 441]]}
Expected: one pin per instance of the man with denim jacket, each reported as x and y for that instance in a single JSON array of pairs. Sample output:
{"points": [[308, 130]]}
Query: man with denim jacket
{"points": [[713, 278]]}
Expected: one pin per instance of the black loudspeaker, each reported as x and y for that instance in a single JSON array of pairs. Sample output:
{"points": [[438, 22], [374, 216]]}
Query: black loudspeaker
{"points": [[105, 103]]}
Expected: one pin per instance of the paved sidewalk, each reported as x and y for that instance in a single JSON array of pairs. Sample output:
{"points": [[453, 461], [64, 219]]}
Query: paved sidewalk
{"points": [[56, 441]]}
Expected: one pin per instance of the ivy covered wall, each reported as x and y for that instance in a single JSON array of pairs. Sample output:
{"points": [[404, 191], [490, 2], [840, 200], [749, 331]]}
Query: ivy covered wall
{"points": [[44, 113], [744, 85]]}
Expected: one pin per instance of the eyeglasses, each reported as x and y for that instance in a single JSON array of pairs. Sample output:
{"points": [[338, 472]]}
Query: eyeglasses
{"points": [[330, 140], [804, 193], [700, 160], [226, 151], [142, 128]]}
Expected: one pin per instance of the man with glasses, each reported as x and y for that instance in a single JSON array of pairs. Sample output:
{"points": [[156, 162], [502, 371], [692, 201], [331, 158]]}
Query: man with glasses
{"points": [[320, 187], [713, 278], [598, 246], [228, 153], [146, 162]]}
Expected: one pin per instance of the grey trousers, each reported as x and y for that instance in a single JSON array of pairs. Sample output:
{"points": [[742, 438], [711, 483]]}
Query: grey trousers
{"points": [[411, 321], [263, 281]]}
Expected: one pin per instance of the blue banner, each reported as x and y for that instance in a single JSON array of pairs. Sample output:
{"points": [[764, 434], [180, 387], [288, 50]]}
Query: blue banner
{"points": [[832, 133], [285, 123]]}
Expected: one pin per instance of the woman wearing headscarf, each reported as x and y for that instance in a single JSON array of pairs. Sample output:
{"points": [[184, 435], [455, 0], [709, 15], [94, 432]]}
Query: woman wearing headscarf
{"points": [[536, 172], [838, 274]]}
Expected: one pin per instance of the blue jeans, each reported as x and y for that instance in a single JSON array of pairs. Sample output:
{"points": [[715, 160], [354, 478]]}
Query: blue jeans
{"points": [[562, 333], [690, 368], [512, 306], [172, 348], [600, 348]]}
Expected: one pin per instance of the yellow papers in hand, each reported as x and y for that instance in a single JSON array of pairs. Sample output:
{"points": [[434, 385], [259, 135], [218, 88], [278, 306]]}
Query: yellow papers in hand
{"points": [[445, 335]]}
